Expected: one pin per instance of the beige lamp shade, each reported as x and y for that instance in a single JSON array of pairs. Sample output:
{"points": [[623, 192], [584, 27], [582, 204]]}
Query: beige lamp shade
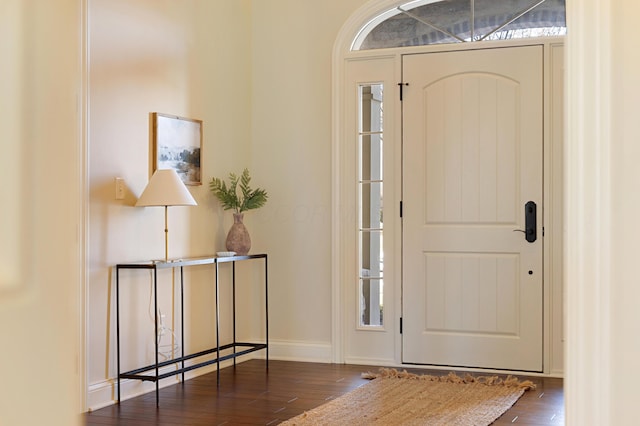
{"points": [[165, 189]]}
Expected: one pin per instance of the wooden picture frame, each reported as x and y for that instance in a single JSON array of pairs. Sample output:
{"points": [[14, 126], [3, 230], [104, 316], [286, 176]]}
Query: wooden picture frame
{"points": [[177, 144]]}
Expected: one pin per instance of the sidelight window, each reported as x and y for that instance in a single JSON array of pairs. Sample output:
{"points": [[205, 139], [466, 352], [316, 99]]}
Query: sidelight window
{"points": [[370, 194]]}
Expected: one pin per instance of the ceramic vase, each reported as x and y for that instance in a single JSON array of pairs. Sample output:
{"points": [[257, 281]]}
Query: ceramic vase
{"points": [[238, 238]]}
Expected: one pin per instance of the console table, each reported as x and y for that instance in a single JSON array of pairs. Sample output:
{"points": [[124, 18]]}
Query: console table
{"points": [[152, 372]]}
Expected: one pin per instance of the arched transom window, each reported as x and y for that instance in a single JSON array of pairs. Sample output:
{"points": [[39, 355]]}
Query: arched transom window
{"points": [[424, 22]]}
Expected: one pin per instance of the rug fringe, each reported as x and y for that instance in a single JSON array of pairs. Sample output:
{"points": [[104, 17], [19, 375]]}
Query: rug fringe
{"points": [[509, 381]]}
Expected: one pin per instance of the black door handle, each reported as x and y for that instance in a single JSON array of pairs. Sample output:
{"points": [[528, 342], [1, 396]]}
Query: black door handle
{"points": [[530, 222]]}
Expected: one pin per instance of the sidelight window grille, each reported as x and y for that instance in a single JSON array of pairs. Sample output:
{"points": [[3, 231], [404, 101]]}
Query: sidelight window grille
{"points": [[370, 191]]}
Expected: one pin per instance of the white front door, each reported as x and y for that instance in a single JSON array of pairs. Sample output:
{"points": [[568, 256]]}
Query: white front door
{"points": [[472, 159]]}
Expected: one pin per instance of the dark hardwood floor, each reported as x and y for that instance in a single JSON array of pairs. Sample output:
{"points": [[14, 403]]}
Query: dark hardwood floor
{"points": [[248, 395]]}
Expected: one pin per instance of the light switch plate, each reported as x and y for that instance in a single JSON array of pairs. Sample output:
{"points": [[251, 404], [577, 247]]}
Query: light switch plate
{"points": [[119, 188]]}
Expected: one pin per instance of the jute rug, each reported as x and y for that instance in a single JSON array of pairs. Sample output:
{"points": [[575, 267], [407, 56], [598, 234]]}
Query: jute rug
{"points": [[401, 398]]}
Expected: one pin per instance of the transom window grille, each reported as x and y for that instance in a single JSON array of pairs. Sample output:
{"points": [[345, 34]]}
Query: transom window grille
{"points": [[370, 191], [424, 22]]}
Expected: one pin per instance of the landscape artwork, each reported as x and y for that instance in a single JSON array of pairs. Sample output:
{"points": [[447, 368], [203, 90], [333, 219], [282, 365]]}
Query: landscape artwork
{"points": [[177, 143]]}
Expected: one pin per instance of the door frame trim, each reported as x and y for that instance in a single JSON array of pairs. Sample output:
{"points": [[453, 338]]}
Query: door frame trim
{"points": [[343, 255]]}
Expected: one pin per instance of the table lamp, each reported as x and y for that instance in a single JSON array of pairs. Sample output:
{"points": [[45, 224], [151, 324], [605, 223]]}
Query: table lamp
{"points": [[165, 189]]}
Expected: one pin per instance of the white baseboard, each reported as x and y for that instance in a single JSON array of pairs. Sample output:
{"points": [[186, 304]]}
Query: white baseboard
{"points": [[380, 362], [288, 350], [557, 373]]}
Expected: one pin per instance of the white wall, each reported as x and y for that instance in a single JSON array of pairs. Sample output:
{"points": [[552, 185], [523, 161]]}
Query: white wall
{"points": [[625, 211], [245, 68], [291, 106], [40, 213], [185, 57], [603, 201]]}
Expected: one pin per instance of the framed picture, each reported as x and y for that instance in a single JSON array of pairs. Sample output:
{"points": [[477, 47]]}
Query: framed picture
{"points": [[177, 144]]}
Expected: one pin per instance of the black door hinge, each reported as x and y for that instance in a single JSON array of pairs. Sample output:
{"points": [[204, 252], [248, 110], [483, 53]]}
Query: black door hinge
{"points": [[400, 325], [400, 208], [401, 85]]}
